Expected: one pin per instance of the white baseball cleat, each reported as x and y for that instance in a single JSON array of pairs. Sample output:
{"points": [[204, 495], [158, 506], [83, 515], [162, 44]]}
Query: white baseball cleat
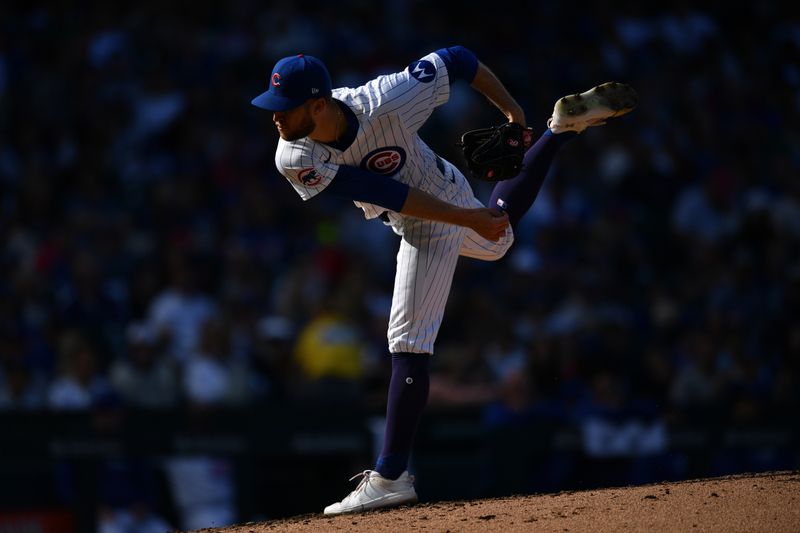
{"points": [[375, 492], [592, 108]]}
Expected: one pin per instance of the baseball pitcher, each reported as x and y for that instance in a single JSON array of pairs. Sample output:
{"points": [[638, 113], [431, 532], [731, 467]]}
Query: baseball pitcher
{"points": [[362, 144]]}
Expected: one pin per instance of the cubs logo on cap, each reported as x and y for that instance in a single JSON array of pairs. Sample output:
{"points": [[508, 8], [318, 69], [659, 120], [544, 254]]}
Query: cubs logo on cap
{"points": [[294, 80]]}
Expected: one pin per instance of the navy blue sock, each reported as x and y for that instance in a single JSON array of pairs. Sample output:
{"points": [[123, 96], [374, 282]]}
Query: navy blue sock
{"points": [[408, 394], [519, 193]]}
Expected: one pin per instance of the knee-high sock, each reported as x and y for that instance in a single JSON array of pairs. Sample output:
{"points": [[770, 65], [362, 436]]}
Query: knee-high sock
{"points": [[519, 192], [408, 394]]}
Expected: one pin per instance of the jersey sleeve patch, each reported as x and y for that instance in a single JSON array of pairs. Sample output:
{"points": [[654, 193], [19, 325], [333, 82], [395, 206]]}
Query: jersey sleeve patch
{"points": [[422, 70], [309, 177], [307, 166]]}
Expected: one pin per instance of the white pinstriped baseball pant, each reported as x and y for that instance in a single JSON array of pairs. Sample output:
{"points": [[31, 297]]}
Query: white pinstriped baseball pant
{"points": [[426, 263]]}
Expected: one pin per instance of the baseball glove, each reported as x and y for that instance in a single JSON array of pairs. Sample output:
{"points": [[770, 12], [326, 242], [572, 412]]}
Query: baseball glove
{"points": [[495, 154]]}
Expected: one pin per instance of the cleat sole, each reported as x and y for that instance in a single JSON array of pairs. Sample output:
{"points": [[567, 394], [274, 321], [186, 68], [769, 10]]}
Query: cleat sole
{"points": [[618, 97]]}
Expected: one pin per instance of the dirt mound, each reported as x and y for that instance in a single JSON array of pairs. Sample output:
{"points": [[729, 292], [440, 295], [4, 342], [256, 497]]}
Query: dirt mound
{"points": [[756, 502]]}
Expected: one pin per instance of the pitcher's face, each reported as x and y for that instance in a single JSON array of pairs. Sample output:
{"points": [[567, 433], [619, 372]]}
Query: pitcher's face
{"points": [[295, 123]]}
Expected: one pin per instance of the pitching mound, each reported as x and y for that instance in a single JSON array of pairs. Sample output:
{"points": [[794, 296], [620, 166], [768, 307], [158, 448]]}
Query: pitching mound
{"points": [[758, 502]]}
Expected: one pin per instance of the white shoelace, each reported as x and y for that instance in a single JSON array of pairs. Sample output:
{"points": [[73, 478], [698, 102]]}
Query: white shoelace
{"points": [[364, 479]]}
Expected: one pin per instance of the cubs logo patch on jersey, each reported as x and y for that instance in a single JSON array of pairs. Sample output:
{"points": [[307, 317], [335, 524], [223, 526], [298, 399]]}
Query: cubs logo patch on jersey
{"points": [[422, 70], [309, 177], [386, 161]]}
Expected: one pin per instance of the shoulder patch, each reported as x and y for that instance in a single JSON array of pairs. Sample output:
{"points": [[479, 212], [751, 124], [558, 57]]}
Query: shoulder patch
{"points": [[309, 177], [422, 70]]}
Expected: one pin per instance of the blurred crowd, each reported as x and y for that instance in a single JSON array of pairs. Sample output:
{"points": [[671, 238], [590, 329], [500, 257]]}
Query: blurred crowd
{"points": [[153, 257]]}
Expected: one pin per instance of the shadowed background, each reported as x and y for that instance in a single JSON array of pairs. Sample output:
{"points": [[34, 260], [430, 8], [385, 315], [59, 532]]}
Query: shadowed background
{"points": [[185, 343]]}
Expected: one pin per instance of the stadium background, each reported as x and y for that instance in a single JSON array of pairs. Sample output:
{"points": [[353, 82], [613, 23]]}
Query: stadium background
{"points": [[182, 338]]}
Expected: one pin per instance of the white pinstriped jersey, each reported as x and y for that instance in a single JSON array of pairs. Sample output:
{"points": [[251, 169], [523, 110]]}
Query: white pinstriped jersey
{"points": [[390, 109]]}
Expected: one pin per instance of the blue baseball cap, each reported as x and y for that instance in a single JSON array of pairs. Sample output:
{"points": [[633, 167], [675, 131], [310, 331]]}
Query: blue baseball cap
{"points": [[294, 80]]}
